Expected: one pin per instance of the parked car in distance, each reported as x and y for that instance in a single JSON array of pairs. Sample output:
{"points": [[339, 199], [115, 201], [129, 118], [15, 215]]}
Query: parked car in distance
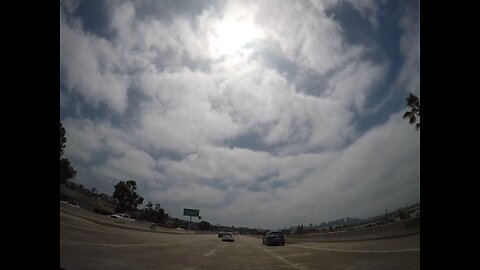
{"points": [[274, 238], [71, 203], [228, 236], [122, 216], [220, 234]]}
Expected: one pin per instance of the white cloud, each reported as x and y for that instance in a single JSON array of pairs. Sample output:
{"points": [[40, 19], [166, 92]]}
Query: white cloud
{"points": [[87, 138], [189, 109], [322, 51], [235, 166], [198, 93], [322, 5], [190, 196], [379, 171], [353, 84], [88, 64], [409, 78], [168, 44], [367, 9], [112, 153], [69, 5], [261, 99], [63, 100], [122, 22], [180, 114], [134, 164], [83, 140]]}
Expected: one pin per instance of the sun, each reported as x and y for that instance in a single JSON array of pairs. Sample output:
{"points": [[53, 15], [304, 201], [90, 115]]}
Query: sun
{"points": [[232, 35]]}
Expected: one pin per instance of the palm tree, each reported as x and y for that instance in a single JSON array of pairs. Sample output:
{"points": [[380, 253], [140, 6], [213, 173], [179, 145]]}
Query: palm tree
{"points": [[414, 114]]}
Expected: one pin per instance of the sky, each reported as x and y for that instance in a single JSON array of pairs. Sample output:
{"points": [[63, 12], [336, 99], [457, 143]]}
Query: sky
{"points": [[261, 114]]}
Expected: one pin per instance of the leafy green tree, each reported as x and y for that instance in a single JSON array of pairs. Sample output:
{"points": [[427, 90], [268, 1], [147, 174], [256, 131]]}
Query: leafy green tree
{"points": [[126, 197], [63, 139], [159, 213], [149, 207], [156, 215], [414, 113], [403, 214], [147, 212], [204, 226], [177, 222], [66, 169]]}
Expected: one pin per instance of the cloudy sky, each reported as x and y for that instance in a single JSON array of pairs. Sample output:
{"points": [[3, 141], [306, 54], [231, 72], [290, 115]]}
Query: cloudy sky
{"points": [[262, 114]]}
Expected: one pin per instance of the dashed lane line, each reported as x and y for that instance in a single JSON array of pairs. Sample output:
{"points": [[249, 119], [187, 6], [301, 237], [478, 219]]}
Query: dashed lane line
{"points": [[211, 252], [296, 255], [285, 261]]}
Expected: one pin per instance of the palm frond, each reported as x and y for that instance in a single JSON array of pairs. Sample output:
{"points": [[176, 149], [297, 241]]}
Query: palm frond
{"points": [[414, 113], [406, 114], [412, 119], [412, 100]]}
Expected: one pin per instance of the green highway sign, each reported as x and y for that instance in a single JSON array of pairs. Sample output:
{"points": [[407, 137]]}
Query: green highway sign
{"points": [[191, 212]]}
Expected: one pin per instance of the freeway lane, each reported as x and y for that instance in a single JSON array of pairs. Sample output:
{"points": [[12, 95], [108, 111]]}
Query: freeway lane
{"points": [[85, 244]]}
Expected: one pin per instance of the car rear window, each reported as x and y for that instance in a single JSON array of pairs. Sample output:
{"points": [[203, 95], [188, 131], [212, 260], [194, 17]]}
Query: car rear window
{"points": [[276, 233]]}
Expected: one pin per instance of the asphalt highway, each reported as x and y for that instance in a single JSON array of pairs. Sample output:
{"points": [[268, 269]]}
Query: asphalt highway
{"points": [[88, 243]]}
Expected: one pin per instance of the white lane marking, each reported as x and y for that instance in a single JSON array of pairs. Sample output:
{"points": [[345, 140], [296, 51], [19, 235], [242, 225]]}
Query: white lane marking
{"points": [[359, 251], [295, 255], [80, 227], [114, 245], [289, 263], [210, 253]]}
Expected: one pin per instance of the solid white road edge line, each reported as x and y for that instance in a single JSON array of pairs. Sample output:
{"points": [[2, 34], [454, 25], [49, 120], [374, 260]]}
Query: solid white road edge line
{"points": [[359, 251]]}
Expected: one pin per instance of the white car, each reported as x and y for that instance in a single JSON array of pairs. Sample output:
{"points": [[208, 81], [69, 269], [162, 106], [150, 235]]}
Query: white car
{"points": [[228, 236], [122, 216], [71, 203]]}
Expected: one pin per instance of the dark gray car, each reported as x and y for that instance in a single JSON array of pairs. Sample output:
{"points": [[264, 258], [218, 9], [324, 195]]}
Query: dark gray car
{"points": [[274, 238]]}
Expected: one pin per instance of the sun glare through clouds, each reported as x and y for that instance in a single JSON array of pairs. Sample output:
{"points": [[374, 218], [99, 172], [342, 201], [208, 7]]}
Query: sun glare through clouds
{"points": [[233, 34]]}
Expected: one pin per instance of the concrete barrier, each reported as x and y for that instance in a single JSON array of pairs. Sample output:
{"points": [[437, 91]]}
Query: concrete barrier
{"points": [[398, 229]]}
